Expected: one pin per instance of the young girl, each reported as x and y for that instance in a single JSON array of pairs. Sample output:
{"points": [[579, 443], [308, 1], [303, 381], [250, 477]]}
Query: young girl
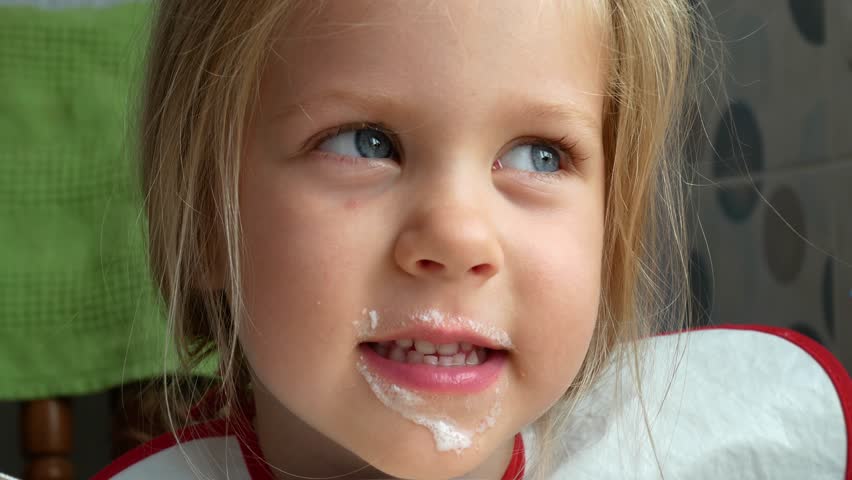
{"points": [[427, 240]]}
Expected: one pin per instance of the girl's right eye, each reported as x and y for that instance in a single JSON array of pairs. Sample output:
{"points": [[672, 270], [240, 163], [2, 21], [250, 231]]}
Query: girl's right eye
{"points": [[365, 142]]}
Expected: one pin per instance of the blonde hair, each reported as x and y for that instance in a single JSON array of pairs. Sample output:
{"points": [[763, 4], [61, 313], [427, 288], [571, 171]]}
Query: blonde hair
{"points": [[205, 63]]}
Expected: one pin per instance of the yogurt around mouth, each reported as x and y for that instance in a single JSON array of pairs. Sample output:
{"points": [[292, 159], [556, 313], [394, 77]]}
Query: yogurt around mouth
{"points": [[412, 388], [448, 434]]}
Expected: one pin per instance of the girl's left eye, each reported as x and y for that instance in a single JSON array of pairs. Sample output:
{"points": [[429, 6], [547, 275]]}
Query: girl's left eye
{"points": [[533, 157], [365, 142]]}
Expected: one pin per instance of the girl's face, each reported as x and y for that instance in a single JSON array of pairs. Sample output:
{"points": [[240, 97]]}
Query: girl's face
{"points": [[424, 170]]}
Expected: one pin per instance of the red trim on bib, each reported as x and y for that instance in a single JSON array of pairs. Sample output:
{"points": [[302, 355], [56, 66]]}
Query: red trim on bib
{"points": [[240, 426], [215, 428], [515, 470], [832, 366]]}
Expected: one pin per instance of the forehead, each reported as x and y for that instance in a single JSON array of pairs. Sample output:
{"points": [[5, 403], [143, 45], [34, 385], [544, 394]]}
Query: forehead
{"points": [[445, 52]]}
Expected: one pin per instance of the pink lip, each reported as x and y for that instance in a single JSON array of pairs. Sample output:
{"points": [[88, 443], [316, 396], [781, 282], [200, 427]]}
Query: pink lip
{"points": [[459, 379], [439, 336]]}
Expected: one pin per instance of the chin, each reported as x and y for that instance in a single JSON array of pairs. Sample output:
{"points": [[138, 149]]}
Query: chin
{"points": [[418, 469], [414, 457]]}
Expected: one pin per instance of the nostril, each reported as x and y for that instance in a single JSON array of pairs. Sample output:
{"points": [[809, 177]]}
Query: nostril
{"points": [[482, 269], [429, 265]]}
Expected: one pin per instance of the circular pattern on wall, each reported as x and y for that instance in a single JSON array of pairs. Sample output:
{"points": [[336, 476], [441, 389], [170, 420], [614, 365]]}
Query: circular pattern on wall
{"points": [[809, 17], [828, 295], [701, 289], [739, 145], [784, 245]]}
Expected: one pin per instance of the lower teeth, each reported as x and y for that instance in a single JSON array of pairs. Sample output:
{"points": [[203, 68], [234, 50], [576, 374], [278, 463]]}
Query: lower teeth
{"points": [[475, 357]]}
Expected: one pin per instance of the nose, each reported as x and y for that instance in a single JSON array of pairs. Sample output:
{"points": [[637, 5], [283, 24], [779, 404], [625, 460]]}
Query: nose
{"points": [[449, 243]]}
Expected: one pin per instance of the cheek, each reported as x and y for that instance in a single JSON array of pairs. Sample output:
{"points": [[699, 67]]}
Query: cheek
{"points": [[298, 284], [558, 296]]}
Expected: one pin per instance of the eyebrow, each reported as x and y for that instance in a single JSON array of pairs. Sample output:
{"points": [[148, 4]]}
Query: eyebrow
{"points": [[563, 110], [519, 105], [361, 101]]}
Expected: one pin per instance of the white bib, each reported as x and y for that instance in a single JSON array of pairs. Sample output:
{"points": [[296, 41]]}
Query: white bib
{"points": [[743, 403]]}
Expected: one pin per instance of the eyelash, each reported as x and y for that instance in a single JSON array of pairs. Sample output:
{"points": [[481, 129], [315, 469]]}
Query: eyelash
{"points": [[568, 149]]}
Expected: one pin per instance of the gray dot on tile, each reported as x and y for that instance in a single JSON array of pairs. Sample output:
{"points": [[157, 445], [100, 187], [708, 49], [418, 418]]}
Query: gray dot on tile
{"points": [[701, 289], [809, 17], [738, 201], [782, 246], [738, 142], [739, 146], [828, 295], [807, 331]]}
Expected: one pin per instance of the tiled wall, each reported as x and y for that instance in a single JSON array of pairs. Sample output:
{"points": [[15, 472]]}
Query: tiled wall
{"points": [[789, 83]]}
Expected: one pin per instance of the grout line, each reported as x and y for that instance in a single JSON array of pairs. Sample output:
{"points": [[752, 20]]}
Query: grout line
{"points": [[845, 162]]}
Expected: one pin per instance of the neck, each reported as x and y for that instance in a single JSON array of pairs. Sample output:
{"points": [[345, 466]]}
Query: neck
{"points": [[295, 450]]}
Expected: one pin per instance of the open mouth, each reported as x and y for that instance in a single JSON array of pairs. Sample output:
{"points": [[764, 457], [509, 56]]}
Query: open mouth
{"points": [[460, 367], [415, 351]]}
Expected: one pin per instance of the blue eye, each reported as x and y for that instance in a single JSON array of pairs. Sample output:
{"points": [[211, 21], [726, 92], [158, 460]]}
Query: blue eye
{"points": [[534, 157], [362, 142]]}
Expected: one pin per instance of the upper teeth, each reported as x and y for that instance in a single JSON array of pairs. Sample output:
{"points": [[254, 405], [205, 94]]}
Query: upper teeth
{"points": [[447, 354], [428, 348], [424, 347]]}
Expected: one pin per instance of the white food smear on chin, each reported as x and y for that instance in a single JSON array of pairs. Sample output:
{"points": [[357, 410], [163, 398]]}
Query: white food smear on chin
{"points": [[390, 394], [447, 435], [491, 418], [445, 432]]}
